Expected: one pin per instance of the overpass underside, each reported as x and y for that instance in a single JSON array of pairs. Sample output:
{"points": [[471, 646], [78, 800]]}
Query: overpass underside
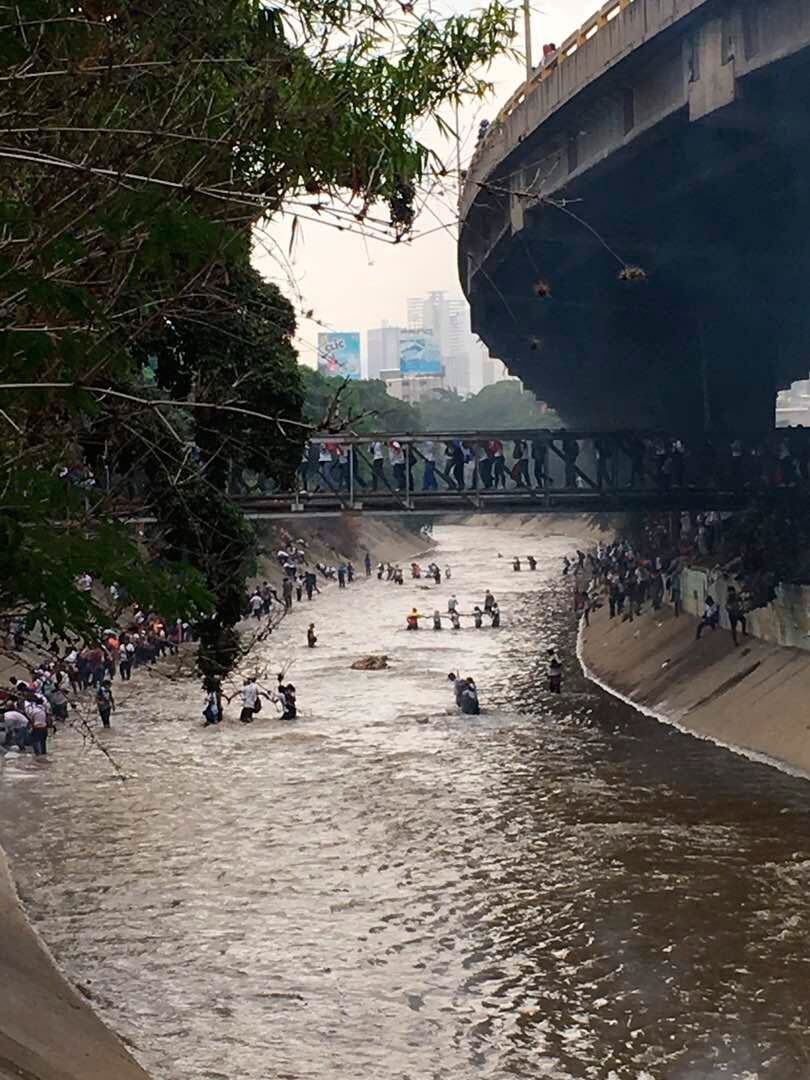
{"points": [[716, 212]]}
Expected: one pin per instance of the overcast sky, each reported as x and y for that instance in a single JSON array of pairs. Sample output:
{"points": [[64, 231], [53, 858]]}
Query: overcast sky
{"points": [[354, 284]]}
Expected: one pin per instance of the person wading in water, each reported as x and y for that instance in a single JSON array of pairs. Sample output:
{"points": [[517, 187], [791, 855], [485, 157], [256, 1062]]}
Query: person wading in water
{"points": [[554, 672]]}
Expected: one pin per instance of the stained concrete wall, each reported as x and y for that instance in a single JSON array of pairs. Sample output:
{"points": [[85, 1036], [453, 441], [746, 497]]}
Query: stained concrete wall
{"points": [[752, 699], [785, 621], [47, 1030]]}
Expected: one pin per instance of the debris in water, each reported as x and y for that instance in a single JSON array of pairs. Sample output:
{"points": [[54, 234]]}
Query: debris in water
{"points": [[371, 663]]}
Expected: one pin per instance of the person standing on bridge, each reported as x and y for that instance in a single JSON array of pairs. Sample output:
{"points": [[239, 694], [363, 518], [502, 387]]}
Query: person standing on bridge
{"points": [[498, 463], [396, 455], [570, 453], [489, 601], [324, 481], [540, 459], [454, 452], [520, 469], [604, 463], [428, 451], [485, 465], [378, 465]]}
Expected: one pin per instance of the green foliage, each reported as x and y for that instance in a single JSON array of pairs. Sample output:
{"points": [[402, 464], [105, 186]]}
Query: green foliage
{"points": [[502, 406], [142, 142], [243, 356], [364, 404], [208, 531], [768, 543], [50, 534]]}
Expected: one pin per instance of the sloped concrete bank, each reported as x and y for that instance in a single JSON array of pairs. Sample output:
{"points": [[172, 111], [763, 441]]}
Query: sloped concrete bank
{"points": [[752, 699], [47, 1029]]}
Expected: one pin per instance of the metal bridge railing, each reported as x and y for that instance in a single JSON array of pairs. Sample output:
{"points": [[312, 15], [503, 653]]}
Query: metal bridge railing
{"points": [[409, 470], [606, 14]]}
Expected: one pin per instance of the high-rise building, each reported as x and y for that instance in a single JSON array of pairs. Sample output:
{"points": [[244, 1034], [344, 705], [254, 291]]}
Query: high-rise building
{"points": [[382, 350], [448, 320]]}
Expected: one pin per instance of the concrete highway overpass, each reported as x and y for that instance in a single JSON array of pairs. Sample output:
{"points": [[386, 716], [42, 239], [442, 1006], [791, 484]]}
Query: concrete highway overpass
{"points": [[670, 135]]}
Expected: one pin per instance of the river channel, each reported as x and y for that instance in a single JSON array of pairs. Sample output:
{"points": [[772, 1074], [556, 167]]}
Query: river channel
{"points": [[382, 890]]}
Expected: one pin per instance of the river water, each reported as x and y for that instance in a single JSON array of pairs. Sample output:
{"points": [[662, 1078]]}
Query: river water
{"points": [[559, 888]]}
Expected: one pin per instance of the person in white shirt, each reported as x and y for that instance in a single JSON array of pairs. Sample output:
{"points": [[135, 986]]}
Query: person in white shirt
{"points": [[250, 699], [711, 616], [256, 605], [38, 726], [396, 455], [324, 467], [378, 466], [16, 725]]}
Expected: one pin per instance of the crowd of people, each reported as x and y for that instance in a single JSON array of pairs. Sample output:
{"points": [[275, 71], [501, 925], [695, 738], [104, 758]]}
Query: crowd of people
{"points": [[70, 678], [453, 615], [390, 465], [557, 460], [630, 582]]}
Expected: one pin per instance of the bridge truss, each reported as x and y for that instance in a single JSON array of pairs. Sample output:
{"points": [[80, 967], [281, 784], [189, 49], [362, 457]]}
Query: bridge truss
{"points": [[540, 471]]}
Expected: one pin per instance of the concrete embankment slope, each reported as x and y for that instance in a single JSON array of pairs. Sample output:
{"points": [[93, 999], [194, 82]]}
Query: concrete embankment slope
{"points": [[47, 1030], [754, 699]]}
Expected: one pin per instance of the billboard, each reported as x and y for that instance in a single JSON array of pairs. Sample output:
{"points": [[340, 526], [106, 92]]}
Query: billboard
{"points": [[339, 354], [419, 354]]}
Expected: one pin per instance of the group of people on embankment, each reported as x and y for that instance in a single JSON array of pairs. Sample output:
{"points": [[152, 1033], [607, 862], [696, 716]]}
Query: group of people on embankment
{"points": [[65, 679], [631, 582]]}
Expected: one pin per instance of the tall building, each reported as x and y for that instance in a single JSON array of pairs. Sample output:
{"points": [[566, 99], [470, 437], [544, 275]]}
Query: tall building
{"points": [[448, 320], [382, 350]]}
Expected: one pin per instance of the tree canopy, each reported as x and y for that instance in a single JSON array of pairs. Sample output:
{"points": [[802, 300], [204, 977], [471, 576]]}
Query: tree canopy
{"points": [[140, 144], [366, 405]]}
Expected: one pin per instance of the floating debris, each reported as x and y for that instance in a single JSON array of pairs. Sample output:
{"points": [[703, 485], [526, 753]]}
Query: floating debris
{"points": [[371, 663]]}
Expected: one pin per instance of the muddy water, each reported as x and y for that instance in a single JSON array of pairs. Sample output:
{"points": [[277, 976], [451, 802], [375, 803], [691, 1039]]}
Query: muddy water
{"points": [[559, 888]]}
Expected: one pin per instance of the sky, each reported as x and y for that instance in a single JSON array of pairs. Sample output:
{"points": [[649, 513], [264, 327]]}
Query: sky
{"points": [[351, 283]]}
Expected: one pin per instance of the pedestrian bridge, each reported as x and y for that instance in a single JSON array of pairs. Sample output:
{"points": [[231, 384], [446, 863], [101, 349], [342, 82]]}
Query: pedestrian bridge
{"points": [[527, 472]]}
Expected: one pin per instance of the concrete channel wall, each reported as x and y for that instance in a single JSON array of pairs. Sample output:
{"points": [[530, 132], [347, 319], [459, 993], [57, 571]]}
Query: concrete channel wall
{"points": [[785, 621], [47, 1029]]}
